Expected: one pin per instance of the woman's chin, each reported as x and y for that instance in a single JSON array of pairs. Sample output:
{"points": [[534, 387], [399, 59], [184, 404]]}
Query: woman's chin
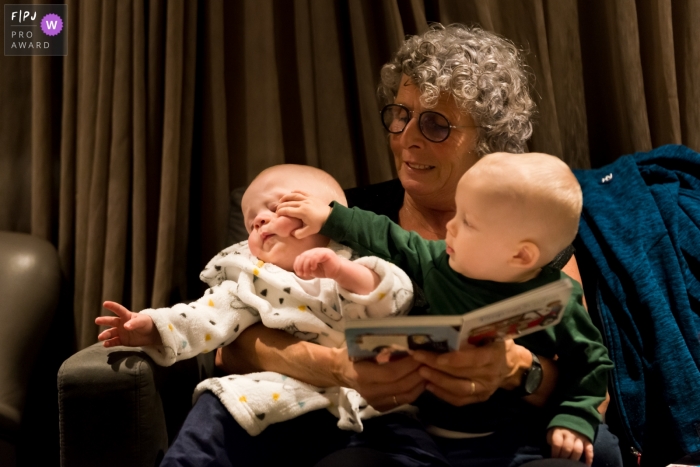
{"points": [[419, 182]]}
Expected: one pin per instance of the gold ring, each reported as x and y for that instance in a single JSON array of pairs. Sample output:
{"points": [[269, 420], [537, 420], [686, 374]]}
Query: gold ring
{"points": [[473, 388], [395, 401]]}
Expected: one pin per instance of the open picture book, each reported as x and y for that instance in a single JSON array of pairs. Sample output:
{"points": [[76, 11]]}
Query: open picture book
{"points": [[384, 339]]}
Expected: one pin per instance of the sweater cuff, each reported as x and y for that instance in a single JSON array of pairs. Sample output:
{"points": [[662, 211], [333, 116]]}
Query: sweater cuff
{"points": [[165, 354], [572, 422], [339, 217], [393, 295]]}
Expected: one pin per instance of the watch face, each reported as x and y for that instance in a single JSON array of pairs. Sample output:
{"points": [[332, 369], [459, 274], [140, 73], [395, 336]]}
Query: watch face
{"points": [[533, 380]]}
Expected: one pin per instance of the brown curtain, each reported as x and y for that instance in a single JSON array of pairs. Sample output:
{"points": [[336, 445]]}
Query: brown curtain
{"points": [[123, 153]]}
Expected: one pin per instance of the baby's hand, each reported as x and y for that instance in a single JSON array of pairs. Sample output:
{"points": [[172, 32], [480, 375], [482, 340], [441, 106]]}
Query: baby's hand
{"points": [[130, 329], [317, 262], [312, 212], [569, 444]]}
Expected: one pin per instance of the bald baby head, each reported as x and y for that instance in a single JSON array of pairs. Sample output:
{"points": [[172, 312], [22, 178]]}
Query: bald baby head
{"points": [[539, 192]]}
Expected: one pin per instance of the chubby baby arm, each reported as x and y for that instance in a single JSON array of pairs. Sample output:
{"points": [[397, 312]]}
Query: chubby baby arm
{"points": [[368, 286], [325, 263], [311, 211], [570, 444], [127, 328]]}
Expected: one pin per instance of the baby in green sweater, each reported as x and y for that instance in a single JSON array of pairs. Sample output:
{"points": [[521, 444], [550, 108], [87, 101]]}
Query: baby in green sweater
{"points": [[514, 214]]}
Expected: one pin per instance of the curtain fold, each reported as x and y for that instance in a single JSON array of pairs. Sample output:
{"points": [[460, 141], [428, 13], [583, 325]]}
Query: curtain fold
{"points": [[210, 206], [139, 179], [180, 63], [123, 153], [332, 93], [68, 148], [120, 160], [562, 24], [42, 147], [96, 176], [686, 45], [658, 64]]}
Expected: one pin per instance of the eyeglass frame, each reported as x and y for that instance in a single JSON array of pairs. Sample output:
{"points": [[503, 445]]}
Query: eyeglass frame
{"points": [[420, 115]]}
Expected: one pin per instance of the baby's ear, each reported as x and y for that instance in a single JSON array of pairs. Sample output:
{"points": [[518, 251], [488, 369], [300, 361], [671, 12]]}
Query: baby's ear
{"points": [[526, 256]]}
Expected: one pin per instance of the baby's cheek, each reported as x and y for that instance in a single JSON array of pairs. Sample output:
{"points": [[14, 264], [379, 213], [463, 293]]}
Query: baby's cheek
{"points": [[254, 244], [289, 223]]}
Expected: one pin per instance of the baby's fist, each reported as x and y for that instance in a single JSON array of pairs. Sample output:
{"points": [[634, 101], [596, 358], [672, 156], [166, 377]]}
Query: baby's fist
{"points": [[570, 444], [317, 262]]}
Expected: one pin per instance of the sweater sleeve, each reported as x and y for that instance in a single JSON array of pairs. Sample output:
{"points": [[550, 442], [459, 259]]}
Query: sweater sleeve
{"points": [[370, 234], [187, 330], [393, 296], [583, 370]]}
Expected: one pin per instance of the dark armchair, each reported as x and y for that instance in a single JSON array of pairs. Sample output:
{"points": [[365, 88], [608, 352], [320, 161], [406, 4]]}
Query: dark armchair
{"points": [[30, 283], [118, 408]]}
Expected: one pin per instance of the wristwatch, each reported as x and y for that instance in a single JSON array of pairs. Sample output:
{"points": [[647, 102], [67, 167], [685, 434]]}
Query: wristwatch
{"points": [[532, 378]]}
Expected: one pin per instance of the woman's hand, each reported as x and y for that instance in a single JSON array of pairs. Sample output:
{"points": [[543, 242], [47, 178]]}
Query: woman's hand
{"points": [[384, 386], [472, 374], [263, 349]]}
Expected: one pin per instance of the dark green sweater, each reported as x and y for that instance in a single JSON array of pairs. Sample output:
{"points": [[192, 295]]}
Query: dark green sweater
{"points": [[582, 358]]}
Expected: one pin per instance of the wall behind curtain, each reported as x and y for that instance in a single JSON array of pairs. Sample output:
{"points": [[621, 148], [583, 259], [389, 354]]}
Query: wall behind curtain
{"points": [[123, 153]]}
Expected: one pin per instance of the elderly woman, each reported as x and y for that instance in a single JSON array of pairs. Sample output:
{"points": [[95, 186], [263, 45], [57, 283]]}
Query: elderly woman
{"points": [[451, 95]]}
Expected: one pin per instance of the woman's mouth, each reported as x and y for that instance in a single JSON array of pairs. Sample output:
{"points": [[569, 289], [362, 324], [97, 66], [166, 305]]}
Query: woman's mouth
{"points": [[414, 166], [449, 250]]}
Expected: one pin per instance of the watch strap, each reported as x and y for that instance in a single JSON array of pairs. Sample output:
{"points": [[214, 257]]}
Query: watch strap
{"points": [[532, 378]]}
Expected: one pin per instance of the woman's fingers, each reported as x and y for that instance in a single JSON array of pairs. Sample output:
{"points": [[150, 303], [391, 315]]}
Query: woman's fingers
{"points": [[388, 396], [392, 372], [456, 391], [397, 397], [459, 377], [378, 384]]}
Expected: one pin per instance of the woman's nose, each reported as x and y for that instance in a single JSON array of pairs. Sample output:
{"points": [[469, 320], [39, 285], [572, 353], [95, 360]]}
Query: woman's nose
{"points": [[411, 134]]}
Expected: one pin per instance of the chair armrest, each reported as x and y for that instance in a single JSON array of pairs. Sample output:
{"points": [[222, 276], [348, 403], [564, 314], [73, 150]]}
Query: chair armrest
{"points": [[30, 282], [117, 407]]}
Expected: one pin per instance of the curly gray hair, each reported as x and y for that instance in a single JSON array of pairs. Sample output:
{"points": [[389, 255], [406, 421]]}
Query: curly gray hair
{"points": [[483, 72]]}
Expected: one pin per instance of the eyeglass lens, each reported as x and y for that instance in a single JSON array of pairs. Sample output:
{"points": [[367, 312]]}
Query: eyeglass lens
{"points": [[434, 126]]}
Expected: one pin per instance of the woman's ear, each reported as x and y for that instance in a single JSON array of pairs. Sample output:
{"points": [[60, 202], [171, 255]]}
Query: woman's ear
{"points": [[527, 256]]}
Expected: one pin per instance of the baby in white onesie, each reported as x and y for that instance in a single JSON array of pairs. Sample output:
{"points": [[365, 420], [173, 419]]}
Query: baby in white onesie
{"points": [[255, 281]]}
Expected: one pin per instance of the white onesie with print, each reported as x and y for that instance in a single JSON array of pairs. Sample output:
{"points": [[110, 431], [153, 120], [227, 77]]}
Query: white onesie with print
{"points": [[244, 290]]}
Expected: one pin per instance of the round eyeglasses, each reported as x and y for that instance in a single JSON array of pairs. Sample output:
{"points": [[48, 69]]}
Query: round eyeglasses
{"points": [[433, 125]]}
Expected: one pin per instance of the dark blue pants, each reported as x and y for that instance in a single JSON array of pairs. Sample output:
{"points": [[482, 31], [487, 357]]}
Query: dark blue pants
{"points": [[210, 436]]}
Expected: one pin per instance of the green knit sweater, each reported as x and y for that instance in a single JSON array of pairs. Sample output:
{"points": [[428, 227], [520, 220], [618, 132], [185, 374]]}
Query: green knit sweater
{"points": [[582, 358]]}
